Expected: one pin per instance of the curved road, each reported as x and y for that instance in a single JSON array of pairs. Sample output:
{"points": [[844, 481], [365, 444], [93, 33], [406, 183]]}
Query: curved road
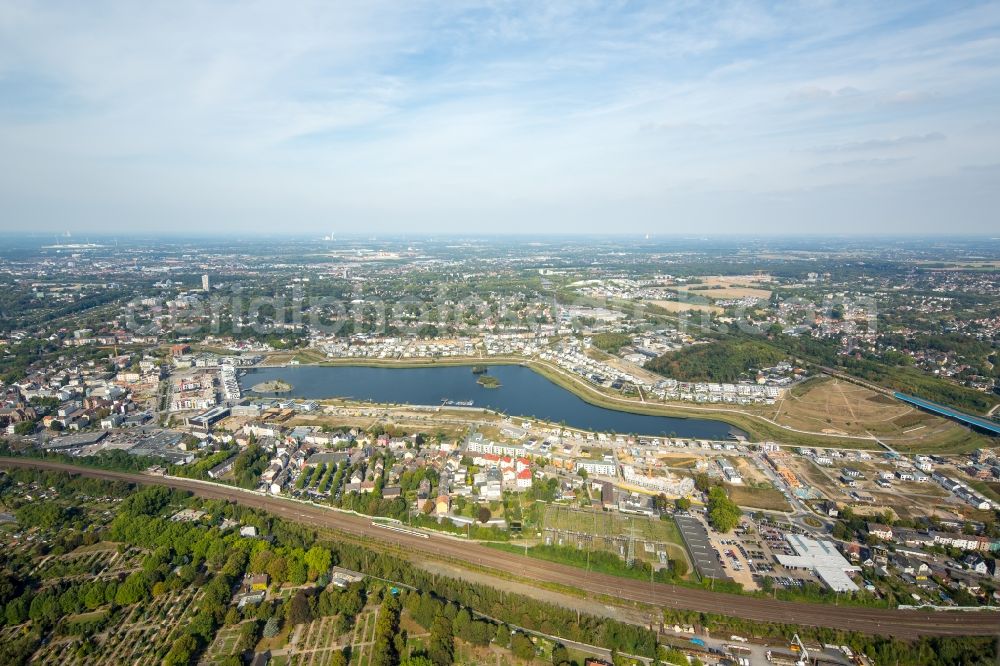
{"points": [[908, 624]]}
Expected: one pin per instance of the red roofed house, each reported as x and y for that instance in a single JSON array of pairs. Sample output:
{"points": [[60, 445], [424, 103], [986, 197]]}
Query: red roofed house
{"points": [[524, 478]]}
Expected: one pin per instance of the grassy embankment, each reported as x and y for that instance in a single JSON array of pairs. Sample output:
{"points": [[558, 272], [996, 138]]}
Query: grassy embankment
{"points": [[591, 560], [755, 427], [608, 563]]}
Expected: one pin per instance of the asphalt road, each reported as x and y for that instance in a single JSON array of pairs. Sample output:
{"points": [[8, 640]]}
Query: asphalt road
{"points": [[907, 624]]}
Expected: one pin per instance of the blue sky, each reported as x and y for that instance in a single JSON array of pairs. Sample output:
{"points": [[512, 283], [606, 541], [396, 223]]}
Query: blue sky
{"points": [[660, 117]]}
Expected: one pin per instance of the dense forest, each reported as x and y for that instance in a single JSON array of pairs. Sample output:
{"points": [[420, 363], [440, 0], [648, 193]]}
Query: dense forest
{"points": [[719, 361], [728, 359], [895, 377], [611, 342]]}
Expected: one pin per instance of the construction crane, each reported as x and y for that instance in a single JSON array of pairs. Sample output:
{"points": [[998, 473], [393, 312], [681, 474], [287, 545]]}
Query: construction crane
{"points": [[797, 646]]}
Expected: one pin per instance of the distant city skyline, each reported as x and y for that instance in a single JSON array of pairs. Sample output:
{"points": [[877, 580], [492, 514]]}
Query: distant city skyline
{"points": [[385, 118]]}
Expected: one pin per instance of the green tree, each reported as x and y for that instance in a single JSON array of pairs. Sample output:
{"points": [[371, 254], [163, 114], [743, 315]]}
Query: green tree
{"points": [[522, 647], [298, 572], [16, 611], [277, 569], [417, 660], [673, 656], [299, 611], [132, 590], [385, 651], [720, 361], [442, 642], [703, 482], [24, 428], [181, 651], [723, 513], [94, 597], [318, 560], [502, 637], [611, 342]]}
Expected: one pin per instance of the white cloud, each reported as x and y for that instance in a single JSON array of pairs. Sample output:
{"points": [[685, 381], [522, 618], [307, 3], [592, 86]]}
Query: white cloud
{"points": [[882, 144], [874, 163], [397, 113]]}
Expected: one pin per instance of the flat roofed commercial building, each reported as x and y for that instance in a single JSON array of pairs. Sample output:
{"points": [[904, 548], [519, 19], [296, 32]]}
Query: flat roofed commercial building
{"points": [[703, 554], [71, 441], [822, 558]]}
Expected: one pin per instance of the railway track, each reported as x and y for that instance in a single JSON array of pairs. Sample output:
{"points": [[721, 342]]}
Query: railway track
{"points": [[907, 624]]}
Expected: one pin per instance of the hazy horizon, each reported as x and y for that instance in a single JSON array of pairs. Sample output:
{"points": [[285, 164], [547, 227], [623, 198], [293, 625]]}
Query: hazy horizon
{"points": [[676, 120]]}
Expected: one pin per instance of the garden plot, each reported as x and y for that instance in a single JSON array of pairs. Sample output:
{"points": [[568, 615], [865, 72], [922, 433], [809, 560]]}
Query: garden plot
{"points": [[314, 644], [317, 642], [12, 632], [66, 651], [363, 638], [223, 645], [146, 628], [87, 564]]}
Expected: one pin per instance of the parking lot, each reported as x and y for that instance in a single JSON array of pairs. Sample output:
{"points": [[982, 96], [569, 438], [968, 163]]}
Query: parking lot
{"points": [[732, 555], [746, 555], [771, 542]]}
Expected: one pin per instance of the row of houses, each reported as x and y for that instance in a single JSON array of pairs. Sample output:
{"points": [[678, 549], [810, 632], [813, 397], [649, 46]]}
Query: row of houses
{"points": [[962, 491], [597, 467], [476, 443], [917, 538], [395, 347]]}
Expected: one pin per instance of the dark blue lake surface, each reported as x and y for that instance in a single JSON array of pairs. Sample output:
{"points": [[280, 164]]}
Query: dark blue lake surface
{"points": [[523, 393]]}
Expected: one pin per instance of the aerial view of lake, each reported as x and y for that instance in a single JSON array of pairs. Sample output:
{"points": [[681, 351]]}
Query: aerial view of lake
{"points": [[522, 392]]}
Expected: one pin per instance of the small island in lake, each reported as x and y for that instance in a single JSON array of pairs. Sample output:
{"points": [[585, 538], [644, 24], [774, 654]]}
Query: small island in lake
{"points": [[479, 369], [274, 386], [488, 382]]}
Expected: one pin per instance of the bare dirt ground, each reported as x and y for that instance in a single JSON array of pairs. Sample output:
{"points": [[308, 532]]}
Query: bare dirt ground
{"points": [[836, 407], [684, 306], [729, 286]]}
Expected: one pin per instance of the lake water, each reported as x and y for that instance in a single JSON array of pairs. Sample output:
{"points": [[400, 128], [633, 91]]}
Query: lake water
{"points": [[523, 392]]}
